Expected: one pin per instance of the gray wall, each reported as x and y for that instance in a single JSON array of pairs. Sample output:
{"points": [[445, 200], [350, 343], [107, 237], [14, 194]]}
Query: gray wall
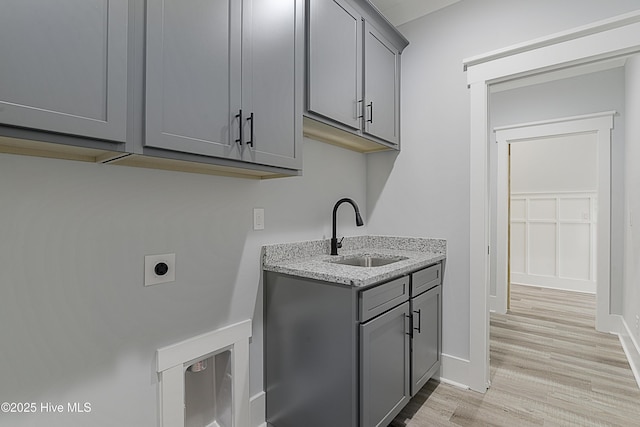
{"points": [[76, 322], [631, 291], [590, 93], [424, 190]]}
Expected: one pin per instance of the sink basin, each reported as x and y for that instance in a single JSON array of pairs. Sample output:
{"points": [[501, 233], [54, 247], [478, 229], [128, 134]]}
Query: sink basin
{"points": [[367, 260]]}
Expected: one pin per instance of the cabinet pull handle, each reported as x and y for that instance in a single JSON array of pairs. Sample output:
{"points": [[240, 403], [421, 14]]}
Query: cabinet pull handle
{"points": [[360, 109], [370, 106], [419, 313], [250, 119], [239, 117], [410, 333]]}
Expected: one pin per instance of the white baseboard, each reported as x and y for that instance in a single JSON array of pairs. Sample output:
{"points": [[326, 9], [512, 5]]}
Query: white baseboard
{"points": [[454, 371], [631, 349], [258, 407], [550, 282], [495, 306]]}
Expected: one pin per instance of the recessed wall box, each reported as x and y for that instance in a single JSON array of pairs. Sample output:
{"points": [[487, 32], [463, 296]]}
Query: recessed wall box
{"points": [[159, 269]]}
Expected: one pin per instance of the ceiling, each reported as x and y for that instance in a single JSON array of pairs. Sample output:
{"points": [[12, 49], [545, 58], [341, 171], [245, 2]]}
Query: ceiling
{"points": [[399, 12]]}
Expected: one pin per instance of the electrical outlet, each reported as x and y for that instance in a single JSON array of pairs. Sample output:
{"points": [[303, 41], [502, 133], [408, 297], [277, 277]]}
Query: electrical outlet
{"points": [[159, 269], [258, 218]]}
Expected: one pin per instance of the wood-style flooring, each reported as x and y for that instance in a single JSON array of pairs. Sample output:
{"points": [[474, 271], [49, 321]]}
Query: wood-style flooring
{"points": [[549, 367]]}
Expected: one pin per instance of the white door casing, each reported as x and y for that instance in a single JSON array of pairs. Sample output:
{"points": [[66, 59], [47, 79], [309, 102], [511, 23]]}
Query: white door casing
{"points": [[601, 41]]}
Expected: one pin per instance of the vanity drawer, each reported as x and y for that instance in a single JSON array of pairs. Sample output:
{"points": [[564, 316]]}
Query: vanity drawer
{"points": [[384, 297], [426, 279]]}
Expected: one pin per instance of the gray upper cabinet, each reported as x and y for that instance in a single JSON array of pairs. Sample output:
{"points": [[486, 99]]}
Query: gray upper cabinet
{"points": [[204, 86], [272, 95], [192, 86], [334, 70], [381, 86], [353, 76], [224, 79], [63, 66]]}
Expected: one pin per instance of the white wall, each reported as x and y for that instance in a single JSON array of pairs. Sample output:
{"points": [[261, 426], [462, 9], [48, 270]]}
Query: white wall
{"points": [[631, 289], [553, 240], [424, 190], [566, 163], [77, 323], [553, 203]]}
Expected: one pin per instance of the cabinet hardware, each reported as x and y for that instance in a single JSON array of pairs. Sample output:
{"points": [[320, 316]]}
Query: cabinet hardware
{"points": [[419, 313], [359, 109], [410, 319], [250, 119], [370, 106], [240, 136]]}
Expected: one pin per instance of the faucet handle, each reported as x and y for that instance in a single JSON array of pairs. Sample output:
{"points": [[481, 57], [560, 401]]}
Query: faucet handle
{"points": [[339, 244]]}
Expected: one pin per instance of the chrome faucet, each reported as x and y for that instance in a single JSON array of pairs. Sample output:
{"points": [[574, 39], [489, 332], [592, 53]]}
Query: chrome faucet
{"points": [[335, 245]]}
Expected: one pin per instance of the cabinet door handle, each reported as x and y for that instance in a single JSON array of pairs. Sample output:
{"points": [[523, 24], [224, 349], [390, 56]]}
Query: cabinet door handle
{"points": [[419, 313], [240, 136], [370, 106], [359, 109], [410, 319], [250, 119]]}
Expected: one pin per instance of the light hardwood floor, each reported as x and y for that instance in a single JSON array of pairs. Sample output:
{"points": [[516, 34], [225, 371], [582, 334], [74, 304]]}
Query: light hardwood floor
{"points": [[549, 367]]}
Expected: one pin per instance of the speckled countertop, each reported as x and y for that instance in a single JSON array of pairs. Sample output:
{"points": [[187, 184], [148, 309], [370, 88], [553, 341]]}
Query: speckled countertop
{"points": [[310, 259]]}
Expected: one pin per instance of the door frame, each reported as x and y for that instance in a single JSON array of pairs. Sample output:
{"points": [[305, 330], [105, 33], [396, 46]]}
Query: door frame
{"points": [[599, 124], [604, 40]]}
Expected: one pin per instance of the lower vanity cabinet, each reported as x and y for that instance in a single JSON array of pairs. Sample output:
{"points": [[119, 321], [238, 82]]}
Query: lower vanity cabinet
{"points": [[384, 366], [343, 356], [426, 338]]}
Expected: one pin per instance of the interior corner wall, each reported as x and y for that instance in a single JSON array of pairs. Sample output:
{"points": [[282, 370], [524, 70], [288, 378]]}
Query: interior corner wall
{"points": [[77, 323], [589, 93], [631, 289], [424, 190]]}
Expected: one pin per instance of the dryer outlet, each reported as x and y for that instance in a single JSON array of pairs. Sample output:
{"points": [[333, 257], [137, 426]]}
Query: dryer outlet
{"points": [[159, 269]]}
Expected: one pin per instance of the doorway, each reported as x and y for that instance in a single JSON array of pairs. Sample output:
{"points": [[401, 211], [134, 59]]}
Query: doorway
{"points": [[547, 222], [603, 41]]}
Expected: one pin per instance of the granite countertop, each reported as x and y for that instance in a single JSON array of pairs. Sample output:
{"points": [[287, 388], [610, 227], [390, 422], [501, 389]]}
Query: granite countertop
{"points": [[310, 259]]}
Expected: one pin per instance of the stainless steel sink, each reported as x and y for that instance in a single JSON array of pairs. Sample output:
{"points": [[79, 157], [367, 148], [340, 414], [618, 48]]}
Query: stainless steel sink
{"points": [[367, 260]]}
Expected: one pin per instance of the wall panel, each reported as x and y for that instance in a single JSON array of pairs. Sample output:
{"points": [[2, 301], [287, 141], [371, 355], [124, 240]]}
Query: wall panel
{"points": [[553, 240]]}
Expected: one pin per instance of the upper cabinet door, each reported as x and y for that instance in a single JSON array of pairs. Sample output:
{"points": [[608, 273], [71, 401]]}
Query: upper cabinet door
{"points": [[381, 86], [193, 76], [334, 66], [63, 66], [272, 84]]}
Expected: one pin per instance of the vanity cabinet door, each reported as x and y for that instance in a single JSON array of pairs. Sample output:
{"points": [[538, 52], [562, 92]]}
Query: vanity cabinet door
{"points": [[426, 344], [382, 86], [63, 66], [384, 366], [334, 67]]}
